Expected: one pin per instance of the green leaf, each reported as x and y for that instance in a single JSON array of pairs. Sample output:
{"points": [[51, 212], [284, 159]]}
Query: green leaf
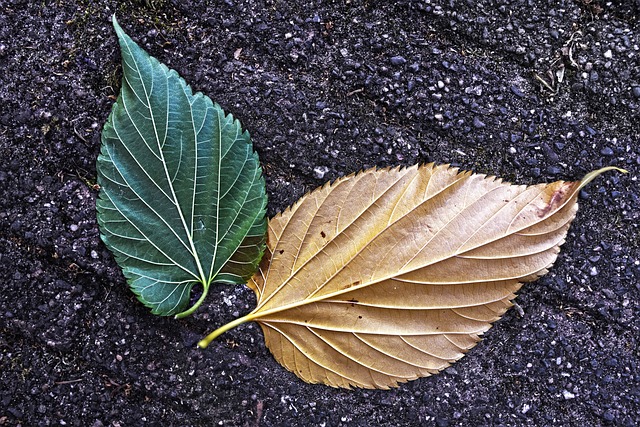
{"points": [[182, 198]]}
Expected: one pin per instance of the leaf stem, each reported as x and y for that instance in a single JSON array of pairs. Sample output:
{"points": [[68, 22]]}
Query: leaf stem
{"points": [[221, 330], [194, 307]]}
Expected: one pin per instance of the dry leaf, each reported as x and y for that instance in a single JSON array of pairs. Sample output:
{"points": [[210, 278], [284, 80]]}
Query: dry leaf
{"points": [[390, 275]]}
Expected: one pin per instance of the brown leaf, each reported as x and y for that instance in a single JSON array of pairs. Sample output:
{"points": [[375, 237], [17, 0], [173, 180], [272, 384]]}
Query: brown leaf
{"points": [[390, 275]]}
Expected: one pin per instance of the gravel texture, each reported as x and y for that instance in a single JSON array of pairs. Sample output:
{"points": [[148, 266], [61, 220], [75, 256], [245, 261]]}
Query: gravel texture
{"points": [[531, 91]]}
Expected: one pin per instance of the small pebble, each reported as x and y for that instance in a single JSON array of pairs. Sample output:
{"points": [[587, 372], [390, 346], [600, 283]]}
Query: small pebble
{"points": [[568, 395], [398, 60], [636, 91], [606, 151], [478, 123], [517, 92], [554, 170], [73, 227], [320, 171]]}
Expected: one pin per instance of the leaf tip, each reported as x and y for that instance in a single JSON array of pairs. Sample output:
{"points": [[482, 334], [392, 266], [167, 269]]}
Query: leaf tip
{"points": [[116, 25], [123, 37], [594, 174]]}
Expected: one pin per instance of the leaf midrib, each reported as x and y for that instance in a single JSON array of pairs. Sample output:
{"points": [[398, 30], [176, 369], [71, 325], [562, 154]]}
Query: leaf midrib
{"points": [[256, 314], [194, 252]]}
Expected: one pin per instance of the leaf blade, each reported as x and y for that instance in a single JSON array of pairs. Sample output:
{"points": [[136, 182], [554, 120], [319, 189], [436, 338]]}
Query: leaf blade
{"points": [[181, 187], [419, 263]]}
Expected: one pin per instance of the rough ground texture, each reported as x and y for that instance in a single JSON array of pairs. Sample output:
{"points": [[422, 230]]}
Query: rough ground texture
{"points": [[530, 91]]}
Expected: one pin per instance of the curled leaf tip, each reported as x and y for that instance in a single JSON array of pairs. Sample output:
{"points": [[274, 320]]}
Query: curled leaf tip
{"points": [[594, 174]]}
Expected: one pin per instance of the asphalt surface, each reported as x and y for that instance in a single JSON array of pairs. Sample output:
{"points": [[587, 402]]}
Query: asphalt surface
{"points": [[530, 91]]}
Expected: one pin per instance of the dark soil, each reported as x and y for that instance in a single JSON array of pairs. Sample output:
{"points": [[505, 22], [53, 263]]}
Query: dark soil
{"points": [[326, 88]]}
